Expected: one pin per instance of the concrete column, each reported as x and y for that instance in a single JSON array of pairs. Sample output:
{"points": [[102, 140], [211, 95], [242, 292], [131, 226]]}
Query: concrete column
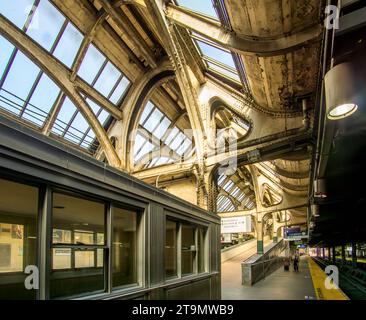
{"points": [[343, 254], [275, 232], [260, 246], [354, 254]]}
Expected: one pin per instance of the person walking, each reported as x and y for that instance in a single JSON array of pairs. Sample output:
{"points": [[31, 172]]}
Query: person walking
{"points": [[286, 264], [296, 264]]}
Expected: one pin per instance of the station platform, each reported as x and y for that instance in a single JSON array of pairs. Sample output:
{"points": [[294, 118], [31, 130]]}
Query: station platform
{"points": [[307, 284]]}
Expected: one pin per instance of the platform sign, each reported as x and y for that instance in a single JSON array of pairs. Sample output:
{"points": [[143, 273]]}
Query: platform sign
{"points": [[241, 224]]}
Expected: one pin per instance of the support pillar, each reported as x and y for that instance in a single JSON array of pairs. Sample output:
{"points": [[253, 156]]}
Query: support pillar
{"points": [[323, 253], [260, 246], [354, 255], [343, 254]]}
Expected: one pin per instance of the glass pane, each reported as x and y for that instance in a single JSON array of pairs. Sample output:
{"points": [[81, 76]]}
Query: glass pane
{"points": [[18, 238], [162, 128], [91, 64], [175, 143], [217, 54], [173, 133], [16, 11], [107, 80], [201, 250], [124, 248], [66, 112], [120, 90], [46, 24], [5, 53], [21, 77], [85, 219], [69, 45], [201, 6], [148, 147], [61, 259], [153, 121], [224, 72], [139, 140], [188, 249], [42, 100], [84, 259], [61, 236], [149, 106], [171, 249], [78, 129]]}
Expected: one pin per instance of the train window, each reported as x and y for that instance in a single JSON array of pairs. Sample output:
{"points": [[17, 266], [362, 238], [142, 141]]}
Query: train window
{"points": [[124, 247], [78, 246], [171, 229], [18, 238]]}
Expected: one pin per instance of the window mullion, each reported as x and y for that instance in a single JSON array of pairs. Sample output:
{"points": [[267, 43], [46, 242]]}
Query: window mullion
{"points": [[179, 251]]}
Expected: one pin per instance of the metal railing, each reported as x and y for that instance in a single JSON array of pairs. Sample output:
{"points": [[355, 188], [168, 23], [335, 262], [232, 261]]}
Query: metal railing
{"points": [[270, 261]]}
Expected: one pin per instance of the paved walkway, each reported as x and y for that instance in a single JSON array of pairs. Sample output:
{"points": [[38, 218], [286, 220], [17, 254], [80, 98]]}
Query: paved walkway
{"points": [[280, 285]]}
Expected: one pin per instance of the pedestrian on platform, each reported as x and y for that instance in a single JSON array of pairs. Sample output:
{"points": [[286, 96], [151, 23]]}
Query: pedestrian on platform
{"points": [[296, 263]]}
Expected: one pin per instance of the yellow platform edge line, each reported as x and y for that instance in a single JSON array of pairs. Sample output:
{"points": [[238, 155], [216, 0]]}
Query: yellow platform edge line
{"points": [[318, 277]]}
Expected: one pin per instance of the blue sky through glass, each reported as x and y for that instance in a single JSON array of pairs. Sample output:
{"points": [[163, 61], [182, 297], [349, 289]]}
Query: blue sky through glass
{"points": [[201, 6], [29, 93], [216, 54]]}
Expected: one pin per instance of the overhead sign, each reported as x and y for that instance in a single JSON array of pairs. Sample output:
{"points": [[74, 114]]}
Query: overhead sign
{"points": [[236, 224]]}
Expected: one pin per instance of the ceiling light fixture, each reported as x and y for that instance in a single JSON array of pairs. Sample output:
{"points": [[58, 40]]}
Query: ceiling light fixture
{"points": [[342, 90]]}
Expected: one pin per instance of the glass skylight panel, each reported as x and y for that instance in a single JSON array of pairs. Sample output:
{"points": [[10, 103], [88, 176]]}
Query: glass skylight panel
{"points": [[107, 79], [65, 114], [147, 110], [102, 115], [91, 64], [162, 128], [42, 99], [172, 135], [227, 187], [68, 45], [235, 192], [78, 127], [241, 196], [158, 127], [120, 90], [5, 53], [221, 179], [103, 75], [89, 140], [184, 147], [138, 142], [46, 24], [153, 120], [217, 54], [225, 71], [21, 76], [202, 6], [16, 11], [148, 147], [175, 144]]}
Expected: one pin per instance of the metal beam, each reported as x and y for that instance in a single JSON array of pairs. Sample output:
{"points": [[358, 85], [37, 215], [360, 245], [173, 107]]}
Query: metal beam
{"points": [[213, 30], [61, 75]]}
